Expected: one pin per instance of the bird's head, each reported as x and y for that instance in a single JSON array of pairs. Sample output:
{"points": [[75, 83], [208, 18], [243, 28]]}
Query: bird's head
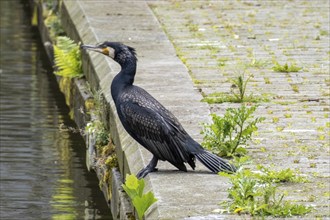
{"points": [[117, 51]]}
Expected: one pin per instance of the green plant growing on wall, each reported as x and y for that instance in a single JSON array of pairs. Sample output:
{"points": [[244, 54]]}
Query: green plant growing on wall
{"points": [[54, 26], [52, 18], [227, 136], [101, 134], [67, 58], [94, 107], [103, 142], [252, 193], [134, 189]]}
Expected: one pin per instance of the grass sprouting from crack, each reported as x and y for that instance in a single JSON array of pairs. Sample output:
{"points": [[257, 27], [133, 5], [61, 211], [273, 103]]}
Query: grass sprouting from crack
{"points": [[237, 93]]}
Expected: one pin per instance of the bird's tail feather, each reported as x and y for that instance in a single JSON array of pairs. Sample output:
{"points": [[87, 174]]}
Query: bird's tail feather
{"points": [[215, 163]]}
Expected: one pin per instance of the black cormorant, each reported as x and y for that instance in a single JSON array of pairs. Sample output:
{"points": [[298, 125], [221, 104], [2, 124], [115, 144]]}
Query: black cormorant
{"points": [[149, 122]]}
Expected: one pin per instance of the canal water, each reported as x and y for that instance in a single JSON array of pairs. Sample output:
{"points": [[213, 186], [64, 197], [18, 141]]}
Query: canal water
{"points": [[42, 172]]}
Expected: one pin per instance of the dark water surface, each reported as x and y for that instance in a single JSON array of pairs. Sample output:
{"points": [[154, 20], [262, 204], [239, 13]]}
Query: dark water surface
{"points": [[42, 173]]}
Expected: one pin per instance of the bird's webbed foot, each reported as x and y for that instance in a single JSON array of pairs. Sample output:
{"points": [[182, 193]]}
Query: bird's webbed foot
{"points": [[151, 167]]}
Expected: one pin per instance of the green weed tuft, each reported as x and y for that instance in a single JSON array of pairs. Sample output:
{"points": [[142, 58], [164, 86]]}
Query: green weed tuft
{"points": [[281, 176], [253, 194], [286, 68]]}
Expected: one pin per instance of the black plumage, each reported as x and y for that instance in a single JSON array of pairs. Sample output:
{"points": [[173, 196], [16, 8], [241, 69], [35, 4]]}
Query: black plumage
{"points": [[149, 122]]}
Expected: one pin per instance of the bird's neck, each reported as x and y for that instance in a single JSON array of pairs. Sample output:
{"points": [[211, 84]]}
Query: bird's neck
{"points": [[124, 78]]}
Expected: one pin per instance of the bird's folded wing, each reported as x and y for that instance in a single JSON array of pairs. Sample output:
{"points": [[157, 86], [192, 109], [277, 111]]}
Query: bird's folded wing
{"points": [[155, 132]]}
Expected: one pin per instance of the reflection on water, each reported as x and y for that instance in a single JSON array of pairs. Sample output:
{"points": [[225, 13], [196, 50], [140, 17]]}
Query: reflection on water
{"points": [[42, 170]]}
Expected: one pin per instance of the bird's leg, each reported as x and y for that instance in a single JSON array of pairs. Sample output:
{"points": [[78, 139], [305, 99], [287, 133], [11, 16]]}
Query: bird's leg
{"points": [[151, 167]]}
